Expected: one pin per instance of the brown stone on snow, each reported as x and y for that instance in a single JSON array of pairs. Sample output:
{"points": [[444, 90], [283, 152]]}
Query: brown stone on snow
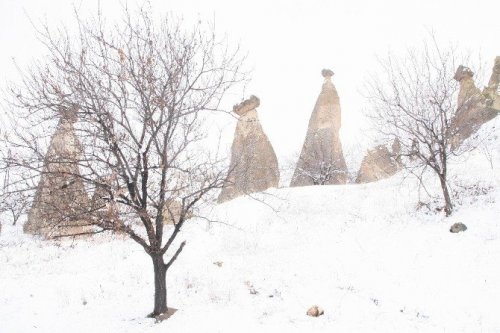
{"points": [[315, 311], [379, 163], [475, 107], [61, 203], [254, 166], [321, 155], [458, 227]]}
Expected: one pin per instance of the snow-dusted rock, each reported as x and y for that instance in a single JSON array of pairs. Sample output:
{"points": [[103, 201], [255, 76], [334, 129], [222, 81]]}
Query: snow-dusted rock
{"points": [[315, 311], [321, 154], [458, 227], [60, 192], [254, 166], [379, 163]]}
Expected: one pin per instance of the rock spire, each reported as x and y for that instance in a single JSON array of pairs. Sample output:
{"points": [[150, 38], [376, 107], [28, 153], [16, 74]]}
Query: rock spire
{"points": [[60, 201], [321, 160], [254, 166]]}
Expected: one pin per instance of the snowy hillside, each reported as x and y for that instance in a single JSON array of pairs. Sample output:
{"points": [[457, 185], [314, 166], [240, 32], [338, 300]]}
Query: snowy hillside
{"points": [[363, 253]]}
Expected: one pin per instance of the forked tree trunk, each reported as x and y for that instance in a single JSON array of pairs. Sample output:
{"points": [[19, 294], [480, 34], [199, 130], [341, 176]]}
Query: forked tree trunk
{"points": [[448, 208], [160, 274]]}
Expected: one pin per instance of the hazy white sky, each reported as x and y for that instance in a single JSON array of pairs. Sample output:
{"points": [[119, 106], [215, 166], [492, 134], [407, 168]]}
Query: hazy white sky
{"points": [[289, 42]]}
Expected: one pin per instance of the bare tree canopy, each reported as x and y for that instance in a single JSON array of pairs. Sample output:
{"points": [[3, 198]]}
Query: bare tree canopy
{"points": [[128, 103], [417, 100]]}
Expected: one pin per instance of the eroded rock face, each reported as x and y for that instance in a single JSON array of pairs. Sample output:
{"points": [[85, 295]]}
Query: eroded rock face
{"points": [[254, 166], [475, 107], [61, 202], [468, 88], [321, 160], [495, 76], [492, 92], [380, 163]]}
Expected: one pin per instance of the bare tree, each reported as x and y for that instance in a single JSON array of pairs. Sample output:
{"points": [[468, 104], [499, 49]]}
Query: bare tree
{"points": [[319, 167], [415, 100], [136, 95], [14, 205]]}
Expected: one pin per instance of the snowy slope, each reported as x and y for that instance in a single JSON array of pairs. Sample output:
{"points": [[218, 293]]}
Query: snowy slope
{"points": [[361, 252]]}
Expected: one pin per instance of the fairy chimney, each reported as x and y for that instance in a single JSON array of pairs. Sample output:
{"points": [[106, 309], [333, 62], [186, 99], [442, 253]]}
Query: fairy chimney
{"points": [[254, 166], [380, 163], [468, 89], [474, 107], [60, 202], [321, 160]]}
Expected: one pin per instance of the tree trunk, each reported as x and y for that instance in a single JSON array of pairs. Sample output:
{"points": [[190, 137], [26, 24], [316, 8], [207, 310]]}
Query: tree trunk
{"points": [[448, 208], [160, 273]]}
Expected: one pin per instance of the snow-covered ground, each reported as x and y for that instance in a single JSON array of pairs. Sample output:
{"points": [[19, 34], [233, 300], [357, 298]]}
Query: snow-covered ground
{"points": [[363, 253]]}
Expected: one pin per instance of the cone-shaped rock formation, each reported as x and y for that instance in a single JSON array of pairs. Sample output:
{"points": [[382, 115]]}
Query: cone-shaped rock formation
{"points": [[254, 166], [61, 202], [321, 160]]}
